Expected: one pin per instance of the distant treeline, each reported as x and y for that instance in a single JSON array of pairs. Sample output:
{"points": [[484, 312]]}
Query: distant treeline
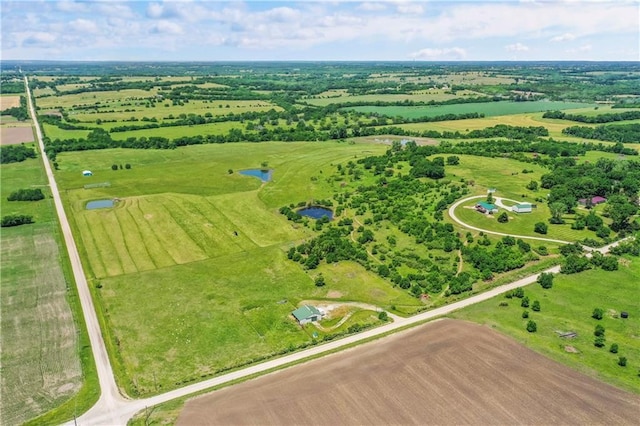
{"points": [[600, 118], [15, 153], [29, 194], [613, 133]]}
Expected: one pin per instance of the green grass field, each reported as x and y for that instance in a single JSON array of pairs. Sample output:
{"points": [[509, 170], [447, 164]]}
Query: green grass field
{"points": [[568, 307], [41, 367], [173, 234], [489, 109]]}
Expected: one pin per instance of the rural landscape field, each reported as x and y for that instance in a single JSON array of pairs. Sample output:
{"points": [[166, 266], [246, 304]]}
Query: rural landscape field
{"points": [[212, 204]]}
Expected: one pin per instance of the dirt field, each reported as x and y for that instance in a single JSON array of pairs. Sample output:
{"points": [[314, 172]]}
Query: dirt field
{"points": [[446, 372], [15, 135], [7, 102]]}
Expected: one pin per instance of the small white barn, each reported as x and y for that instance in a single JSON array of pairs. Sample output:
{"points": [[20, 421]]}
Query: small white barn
{"points": [[522, 208], [87, 173]]}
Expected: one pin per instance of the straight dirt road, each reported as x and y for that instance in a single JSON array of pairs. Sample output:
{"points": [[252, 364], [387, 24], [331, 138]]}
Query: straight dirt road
{"points": [[110, 396]]}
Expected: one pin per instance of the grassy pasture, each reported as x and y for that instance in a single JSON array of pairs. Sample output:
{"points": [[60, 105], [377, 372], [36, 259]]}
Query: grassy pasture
{"points": [[9, 101], [489, 109], [91, 98], [163, 109], [568, 307], [335, 96]]}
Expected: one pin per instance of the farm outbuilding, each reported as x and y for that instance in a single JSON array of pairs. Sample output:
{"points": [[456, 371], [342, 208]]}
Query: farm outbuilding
{"points": [[484, 207], [522, 208], [87, 173], [306, 314]]}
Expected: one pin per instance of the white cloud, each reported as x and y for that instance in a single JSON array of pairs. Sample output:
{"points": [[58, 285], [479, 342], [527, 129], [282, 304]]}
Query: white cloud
{"points": [[71, 6], [410, 8], [445, 53], [38, 38], [83, 26], [154, 10], [581, 49], [166, 27], [516, 47], [563, 37], [372, 6]]}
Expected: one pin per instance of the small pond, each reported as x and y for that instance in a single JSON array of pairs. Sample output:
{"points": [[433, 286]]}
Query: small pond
{"points": [[316, 212], [99, 204], [262, 174]]}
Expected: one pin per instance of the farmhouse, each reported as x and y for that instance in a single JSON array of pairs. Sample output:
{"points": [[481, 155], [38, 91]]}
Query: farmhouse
{"points": [[594, 201], [87, 173], [522, 208], [306, 314], [484, 207]]}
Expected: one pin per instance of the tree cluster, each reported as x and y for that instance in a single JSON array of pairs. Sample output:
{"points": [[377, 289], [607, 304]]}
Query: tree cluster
{"points": [[15, 153], [28, 194]]}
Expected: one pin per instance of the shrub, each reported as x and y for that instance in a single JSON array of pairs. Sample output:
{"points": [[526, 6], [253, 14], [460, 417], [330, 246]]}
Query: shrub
{"points": [[15, 220], [382, 316], [614, 348], [532, 327], [525, 314], [599, 331], [540, 228], [503, 217], [319, 281], [535, 306], [127, 166], [545, 280], [599, 341], [622, 361], [598, 313], [114, 167], [26, 195], [525, 302]]}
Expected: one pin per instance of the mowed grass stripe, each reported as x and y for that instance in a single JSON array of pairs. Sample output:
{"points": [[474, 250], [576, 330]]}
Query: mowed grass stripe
{"points": [[133, 239], [92, 244], [208, 226], [110, 221], [158, 253], [177, 242]]}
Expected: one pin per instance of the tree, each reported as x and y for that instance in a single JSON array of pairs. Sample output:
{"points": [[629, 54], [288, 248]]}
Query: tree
{"points": [[557, 209], [597, 313], [525, 302], [614, 348], [532, 186], [127, 166], [382, 316], [230, 171], [319, 281], [532, 327], [15, 220], [535, 306], [599, 341], [540, 228], [622, 361], [525, 314], [490, 198], [599, 330], [545, 280], [620, 210], [114, 167], [503, 217], [453, 160]]}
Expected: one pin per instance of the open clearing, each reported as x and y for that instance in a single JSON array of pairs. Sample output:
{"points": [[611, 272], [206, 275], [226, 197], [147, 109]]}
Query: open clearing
{"points": [[15, 135], [7, 102], [447, 372]]}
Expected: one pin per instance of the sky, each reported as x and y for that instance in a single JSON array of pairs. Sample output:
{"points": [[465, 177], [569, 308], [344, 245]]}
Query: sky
{"points": [[191, 30]]}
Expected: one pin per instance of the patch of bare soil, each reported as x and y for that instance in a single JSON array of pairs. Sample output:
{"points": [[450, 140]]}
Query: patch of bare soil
{"points": [[388, 140], [7, 102], [334, 294], [15, 135], [571, 350], [445, 372]]}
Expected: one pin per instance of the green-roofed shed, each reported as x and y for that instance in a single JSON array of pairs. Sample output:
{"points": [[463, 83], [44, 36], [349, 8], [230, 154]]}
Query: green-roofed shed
{"points": [[307, 313], [485, 207]]}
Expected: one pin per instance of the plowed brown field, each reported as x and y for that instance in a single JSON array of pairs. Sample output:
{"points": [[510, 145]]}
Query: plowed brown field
{"points": [[446, 372]]}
